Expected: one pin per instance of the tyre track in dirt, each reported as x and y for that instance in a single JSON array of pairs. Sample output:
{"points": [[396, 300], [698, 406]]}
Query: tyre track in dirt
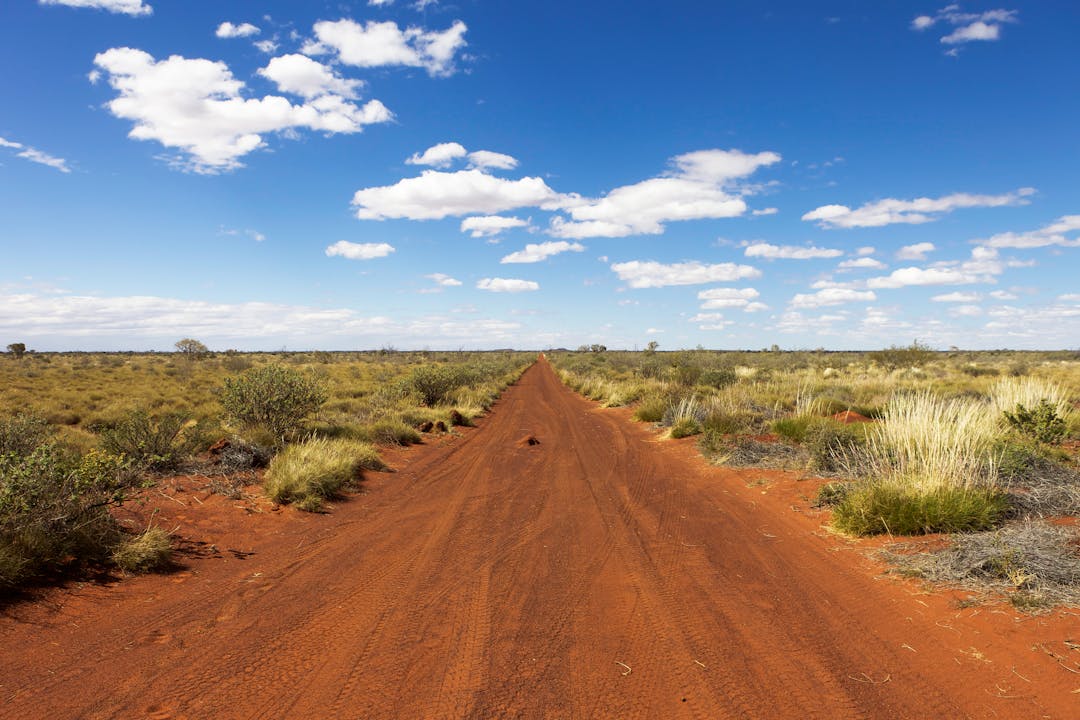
{"points": [[599, 573]]}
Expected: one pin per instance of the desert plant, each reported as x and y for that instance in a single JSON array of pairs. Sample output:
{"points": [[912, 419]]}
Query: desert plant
{"points": [[54, 507], [434, 383], [17, 349], [23, 433], [892, 507], [273, 397], [914, 355], [1006, 394], [152, 443], [1041, 423], [191, 349], [685, 427], [148, 551], [312, 471]]}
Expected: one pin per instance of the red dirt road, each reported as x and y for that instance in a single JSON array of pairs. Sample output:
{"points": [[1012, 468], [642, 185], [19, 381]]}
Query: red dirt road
{"points": [[597, 574]]}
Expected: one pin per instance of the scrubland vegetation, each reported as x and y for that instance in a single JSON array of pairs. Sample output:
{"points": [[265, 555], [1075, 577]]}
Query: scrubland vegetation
{"points": [[81, 433], [960, 442]]}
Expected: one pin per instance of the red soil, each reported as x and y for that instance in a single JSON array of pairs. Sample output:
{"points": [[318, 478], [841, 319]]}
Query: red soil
{"points": [[849, 416], [600, 573]]}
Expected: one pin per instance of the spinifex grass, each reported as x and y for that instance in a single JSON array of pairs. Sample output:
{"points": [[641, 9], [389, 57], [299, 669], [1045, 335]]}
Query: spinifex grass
{"points": [[310, 472]]}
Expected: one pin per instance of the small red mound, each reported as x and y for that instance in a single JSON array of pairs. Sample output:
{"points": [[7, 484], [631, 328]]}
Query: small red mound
{"points": [[528, 440], [847, 417]]}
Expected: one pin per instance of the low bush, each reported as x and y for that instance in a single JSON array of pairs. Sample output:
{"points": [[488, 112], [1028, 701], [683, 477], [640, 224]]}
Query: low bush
{"points": [[793, 429], [22, 434], [685, 427], [149, 443], [435, 383], [275, 398], [1042, 423], [651, 409], [310, 472], [878, 507], [392, 432], [718, 378], [148, 551], [54, 507], [830, 444]]}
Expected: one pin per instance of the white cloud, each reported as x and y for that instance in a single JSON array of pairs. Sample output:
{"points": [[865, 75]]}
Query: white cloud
{"points": [[196, 106], [440, 155], [919, 210], [379, 44], [358, 251], [831, 296], [537, 252], [915, 252], [965, 311], [36, 156], [123, 7], [485, 159], [1069, 297], [490, 225], [1003, 295], [300, 75], [718, 298], [508, 285], [443, 280], [699, 186], [435, 195], [706, 317], [864, 251], [765, 211], [650, 274], [253, 234], [957, 297], [380, 3], [862, 262], [266, 46], [983, 267], [91, 322], [228, 30], [967, 27], [1052, 234], [789, 252]]}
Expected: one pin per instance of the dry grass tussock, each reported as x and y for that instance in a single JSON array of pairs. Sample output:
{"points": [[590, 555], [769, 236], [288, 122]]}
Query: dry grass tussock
{"points": [[1036, 563], [315, 470]]}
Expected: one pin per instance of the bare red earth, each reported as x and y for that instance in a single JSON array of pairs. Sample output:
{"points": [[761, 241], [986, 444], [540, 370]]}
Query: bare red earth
{"points": [[597, 573]]}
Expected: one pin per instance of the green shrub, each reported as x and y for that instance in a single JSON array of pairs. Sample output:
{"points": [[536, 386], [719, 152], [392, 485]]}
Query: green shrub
{"points": [[877, 507], [275, 398], [830, 444], [718, 378], [159, 444], [148, 551], [54, 507], [392, 432], [22, 434], [728, 423], [312, 471], [651, 409], [913, 355], [434, 383], [1041, 423], [832, 494], [793, 429], [685, 427]]}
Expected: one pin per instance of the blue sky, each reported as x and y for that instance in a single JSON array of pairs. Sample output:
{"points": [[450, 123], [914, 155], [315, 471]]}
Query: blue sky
{"points": [[352, 175]]}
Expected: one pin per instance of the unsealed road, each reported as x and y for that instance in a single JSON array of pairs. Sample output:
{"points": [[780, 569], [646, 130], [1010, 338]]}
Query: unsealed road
{"points": [[596, 574]]}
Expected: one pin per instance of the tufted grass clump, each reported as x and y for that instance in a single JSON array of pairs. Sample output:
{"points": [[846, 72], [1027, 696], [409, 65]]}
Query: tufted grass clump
{"points": [[315, 470], [148, 551]]}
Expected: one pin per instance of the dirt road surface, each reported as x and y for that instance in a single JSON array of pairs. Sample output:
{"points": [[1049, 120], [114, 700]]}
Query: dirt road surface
{"points": [[600, 573]]}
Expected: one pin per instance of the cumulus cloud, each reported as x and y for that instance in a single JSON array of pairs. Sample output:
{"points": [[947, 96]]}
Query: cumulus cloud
{"points": [[300, 75], [915, 252], [765, 211], [957, 297], [1003, 295], [358, 251], [507, 285], [122, 7], [983, 266], [443, 280], [36, 156], [439, 156], [1053, 234], [89, 322], [789, 252], [862, 262], [920, 210], [490, 225], [831, 296], [487, 159], [718, 298], [196, 106], [966, 27], [435, 195], [651, 274], [229, 30], [380, 44], [536, 252], [699, 185]]}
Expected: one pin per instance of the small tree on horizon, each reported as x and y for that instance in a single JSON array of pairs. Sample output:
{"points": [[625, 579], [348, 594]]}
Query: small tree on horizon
{"points": [[191, 348], [17, 349]]}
